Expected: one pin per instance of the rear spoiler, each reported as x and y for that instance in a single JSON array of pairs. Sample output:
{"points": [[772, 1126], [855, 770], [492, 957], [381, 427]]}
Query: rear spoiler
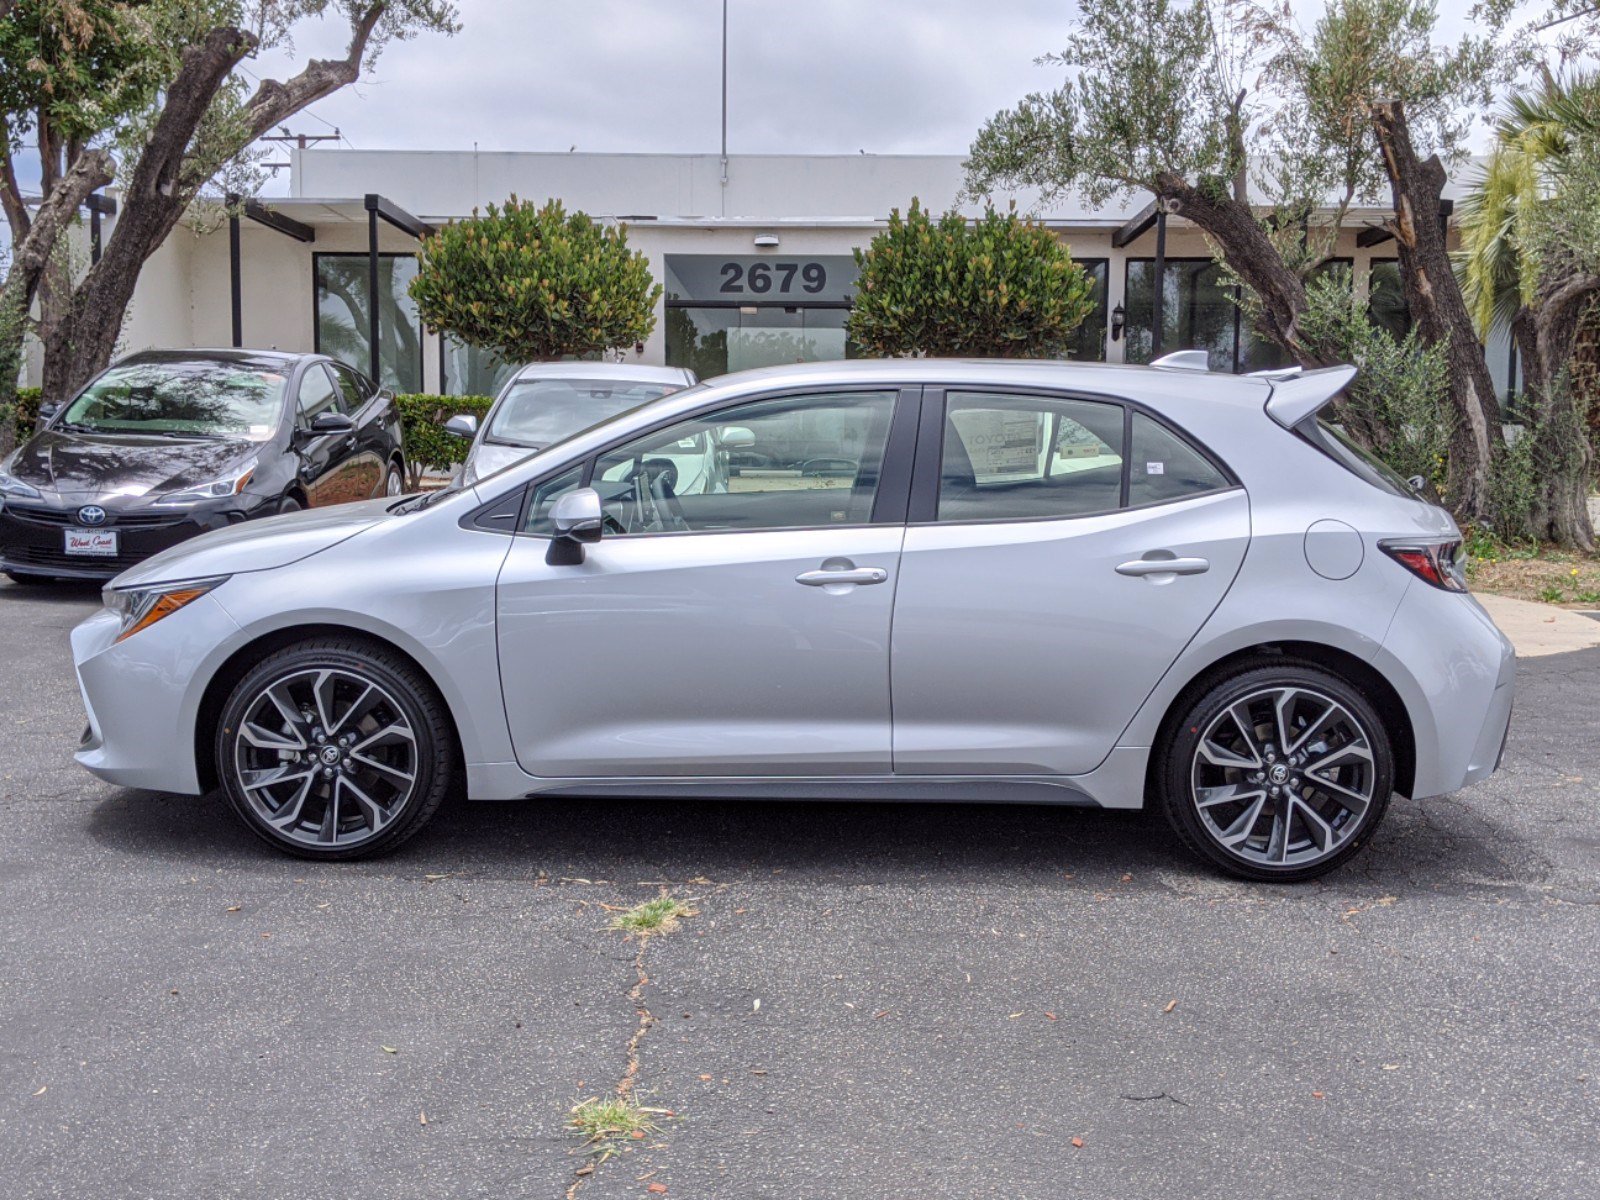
{"points": [[1300, 394]]}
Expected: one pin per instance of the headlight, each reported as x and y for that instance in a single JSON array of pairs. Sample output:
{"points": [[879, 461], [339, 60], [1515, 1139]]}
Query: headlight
{"points": [[229, 485], [10, 486], [139, 608]]}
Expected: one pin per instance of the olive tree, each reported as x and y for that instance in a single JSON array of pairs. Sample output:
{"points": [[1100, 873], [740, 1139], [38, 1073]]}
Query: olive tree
{"points": [[996, 287], [533, 282]]}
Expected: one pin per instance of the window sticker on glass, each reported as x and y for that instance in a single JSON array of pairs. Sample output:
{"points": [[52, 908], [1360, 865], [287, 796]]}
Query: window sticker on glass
{"points": [[1001, 442], [1155, 468]]}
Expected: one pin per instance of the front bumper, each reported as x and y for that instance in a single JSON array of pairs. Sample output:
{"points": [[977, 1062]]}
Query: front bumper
{"points": [[140, 696], [33, 537]]}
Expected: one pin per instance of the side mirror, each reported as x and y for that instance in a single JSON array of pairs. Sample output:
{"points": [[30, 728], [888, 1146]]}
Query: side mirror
{"points": [[736, 437], [462, 425], [46, 413], [577, 519], [324, 424]]}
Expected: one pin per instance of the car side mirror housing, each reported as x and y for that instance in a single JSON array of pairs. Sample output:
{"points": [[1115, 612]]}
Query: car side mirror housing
{"points": [[462, 425], [736, 437], [324, 424], [578, 519]]}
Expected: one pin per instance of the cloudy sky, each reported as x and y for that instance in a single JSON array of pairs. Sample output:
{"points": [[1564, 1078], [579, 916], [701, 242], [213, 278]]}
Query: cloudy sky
{"points": [[885, 76]]}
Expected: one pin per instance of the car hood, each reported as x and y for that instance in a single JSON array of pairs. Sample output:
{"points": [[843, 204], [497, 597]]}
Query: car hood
{"points": [[258, 545], [488, 457], [95, 465]]}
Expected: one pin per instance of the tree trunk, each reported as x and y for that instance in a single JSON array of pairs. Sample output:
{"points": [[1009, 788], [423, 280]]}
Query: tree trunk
{"points": [[1439, 311], [155, 200], [1546, 335], [1249, 252]]}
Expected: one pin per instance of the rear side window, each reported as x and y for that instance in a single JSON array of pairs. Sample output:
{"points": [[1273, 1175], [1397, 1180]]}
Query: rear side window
{"points": [[1336, 444], [1009, 457], [1165, 467], [1017, 457]]}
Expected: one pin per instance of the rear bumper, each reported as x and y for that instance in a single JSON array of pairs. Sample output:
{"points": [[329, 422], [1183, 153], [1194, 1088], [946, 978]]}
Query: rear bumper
{"points": [[1456, 673]]}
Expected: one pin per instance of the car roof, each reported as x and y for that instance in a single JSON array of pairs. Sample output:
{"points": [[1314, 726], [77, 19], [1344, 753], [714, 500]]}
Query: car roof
{"points": [[245, 357], [1139, 383], [634, 372]]}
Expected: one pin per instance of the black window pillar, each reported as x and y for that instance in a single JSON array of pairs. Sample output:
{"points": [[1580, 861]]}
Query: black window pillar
{"points": [[372, 295], [235, 284]]}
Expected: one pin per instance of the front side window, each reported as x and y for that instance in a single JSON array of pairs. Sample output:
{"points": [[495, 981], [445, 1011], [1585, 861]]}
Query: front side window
{"points": [[317, 394], [1021, 457], [536, 413], [795, 462], [180, 399], [354, 387]]}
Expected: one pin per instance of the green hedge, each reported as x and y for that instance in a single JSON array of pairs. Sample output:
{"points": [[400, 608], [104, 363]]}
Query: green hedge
{"points": [[427, 444]]}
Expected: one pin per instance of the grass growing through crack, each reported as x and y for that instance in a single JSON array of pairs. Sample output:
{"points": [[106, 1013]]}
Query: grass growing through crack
{"points": [[607, 1125], [660, 915]]}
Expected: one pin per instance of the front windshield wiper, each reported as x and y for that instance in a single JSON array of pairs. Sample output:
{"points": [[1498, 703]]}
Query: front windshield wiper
{"points": [[180, 433], [418, 503]]}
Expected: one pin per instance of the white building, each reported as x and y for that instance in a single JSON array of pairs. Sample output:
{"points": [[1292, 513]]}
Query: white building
{"points": [[755, 257]]}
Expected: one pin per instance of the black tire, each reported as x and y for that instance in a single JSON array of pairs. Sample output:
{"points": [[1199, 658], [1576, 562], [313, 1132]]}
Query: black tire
{"points": [[1321, 821], [394, 483], [406, 697], [288, 505]]}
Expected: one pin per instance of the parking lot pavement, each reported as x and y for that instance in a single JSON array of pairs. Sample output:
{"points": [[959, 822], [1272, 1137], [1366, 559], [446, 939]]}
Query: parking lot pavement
{"points": [[948, 995]]}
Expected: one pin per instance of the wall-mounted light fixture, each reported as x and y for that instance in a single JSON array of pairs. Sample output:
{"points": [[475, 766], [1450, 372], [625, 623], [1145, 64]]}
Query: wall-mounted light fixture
{"points": [[1118, 322], [766, 240]]}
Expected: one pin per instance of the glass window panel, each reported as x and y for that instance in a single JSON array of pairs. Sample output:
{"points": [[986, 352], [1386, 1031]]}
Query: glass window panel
{"points": [[1386, 299], [342, 316], [474, 371], [1198, 312], [317, 394], [795, 462], [1089, 340], [1010, 458], [544, 497], [713, 341], [1165, 467]]}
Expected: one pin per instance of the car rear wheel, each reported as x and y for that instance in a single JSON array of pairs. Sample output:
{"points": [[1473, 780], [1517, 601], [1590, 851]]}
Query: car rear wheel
{"points": [[335, 749], [1278, 772]]}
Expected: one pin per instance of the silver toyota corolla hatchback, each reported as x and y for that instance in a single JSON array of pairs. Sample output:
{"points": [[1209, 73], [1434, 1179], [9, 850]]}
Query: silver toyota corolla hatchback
{"points": [[916, 580]]}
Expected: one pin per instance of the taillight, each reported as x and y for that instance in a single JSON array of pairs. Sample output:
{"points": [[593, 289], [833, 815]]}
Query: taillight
{"points": [[1437, 563]]}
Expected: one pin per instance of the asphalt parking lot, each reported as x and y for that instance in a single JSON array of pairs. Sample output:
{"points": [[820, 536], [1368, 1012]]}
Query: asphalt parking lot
{"points": [[873, 1001]]}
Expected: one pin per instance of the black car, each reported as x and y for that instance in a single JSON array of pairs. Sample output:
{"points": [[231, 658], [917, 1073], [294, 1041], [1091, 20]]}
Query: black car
{"points": [[170, 443]]}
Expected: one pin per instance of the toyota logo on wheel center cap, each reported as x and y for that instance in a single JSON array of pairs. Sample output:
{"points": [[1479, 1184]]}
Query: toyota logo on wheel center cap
{"points": [[1278, 773], [330, 755], [91, 514]]}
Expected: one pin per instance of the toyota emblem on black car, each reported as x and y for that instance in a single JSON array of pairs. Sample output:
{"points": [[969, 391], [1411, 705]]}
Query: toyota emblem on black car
{"points": [[91, 514]]}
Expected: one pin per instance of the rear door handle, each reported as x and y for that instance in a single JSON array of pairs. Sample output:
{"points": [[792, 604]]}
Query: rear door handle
{"points": [[862, 575], [1164, 566]]}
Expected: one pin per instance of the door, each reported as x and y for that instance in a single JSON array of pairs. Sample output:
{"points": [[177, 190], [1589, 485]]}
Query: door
{"points": [[370, 410], [1062, 552], [732, 620], [324, 458]]}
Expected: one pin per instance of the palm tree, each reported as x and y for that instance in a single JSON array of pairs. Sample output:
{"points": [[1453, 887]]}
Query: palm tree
{"points": [[1529, 261]]}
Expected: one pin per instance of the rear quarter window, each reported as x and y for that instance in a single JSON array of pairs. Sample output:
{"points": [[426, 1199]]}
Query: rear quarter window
{"points": [[1337, 445]]}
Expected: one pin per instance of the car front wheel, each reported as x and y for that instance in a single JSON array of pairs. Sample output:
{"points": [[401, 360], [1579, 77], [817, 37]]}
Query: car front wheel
{"points": [[334, 749], [1277, 772]]}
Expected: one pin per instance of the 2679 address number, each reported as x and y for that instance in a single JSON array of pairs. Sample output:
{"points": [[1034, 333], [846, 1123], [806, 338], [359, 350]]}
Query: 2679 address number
{"points": [[761, 278]]}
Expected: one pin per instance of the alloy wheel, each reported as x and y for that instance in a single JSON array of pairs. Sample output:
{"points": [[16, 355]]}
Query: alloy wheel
{"points": [[1283, 777], [325, 757]]}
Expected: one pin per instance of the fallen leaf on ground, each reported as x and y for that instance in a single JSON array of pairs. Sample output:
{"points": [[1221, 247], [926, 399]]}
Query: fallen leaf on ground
{"points": [[1013, 1016], [1077, 1143], [235, 907], [42, 1090], [388, 1049], [1049, 1016], [422, 1116], [1391, 1066], [1316, 1095], [1171, 1004], [657, 1188]]}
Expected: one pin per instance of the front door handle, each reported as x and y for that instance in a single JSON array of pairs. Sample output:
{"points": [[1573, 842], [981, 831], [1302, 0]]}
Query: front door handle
{"points": [[862, 575], [1164, 566]]}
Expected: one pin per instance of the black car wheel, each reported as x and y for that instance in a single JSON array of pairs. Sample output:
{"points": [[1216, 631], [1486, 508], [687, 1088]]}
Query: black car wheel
{"points": [[335, 749], [394, 483], [288, 505], [1277, 772]]}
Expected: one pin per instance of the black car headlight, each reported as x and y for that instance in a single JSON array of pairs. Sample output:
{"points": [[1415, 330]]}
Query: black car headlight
{"points": [[230, 484], [141, 607]]}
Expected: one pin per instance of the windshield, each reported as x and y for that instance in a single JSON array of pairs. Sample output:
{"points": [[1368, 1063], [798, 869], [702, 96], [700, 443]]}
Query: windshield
{"points": [[537, 412], [180, 399]]}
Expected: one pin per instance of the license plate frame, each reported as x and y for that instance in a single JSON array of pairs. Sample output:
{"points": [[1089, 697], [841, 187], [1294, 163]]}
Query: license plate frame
{"points": [[90, 543]]}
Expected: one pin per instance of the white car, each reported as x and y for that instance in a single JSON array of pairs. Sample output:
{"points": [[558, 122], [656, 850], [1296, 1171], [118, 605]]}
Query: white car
{"points": [[545, 403]]}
